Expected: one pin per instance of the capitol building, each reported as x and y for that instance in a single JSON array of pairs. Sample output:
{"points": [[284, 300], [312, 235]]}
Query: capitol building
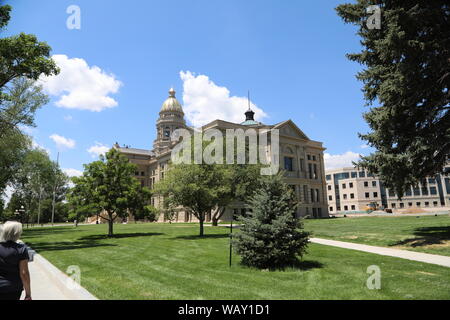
{"points": [[300, 157]]}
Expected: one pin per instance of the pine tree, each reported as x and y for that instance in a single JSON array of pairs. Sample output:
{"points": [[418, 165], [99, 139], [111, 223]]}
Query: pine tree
{"points": [[406, 78], [271, 237]]}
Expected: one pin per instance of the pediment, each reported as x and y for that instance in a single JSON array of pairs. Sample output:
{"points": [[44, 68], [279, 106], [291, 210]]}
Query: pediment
{"points": [[289, 128]]}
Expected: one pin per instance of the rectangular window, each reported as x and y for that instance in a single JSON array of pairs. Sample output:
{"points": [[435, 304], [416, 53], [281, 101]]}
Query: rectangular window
{"points": [[315, 172], [350, 185], [343, 186], [353, 207], [435, 203], [345, 208], [329, 187], [309, 157], [345, 196], [317, 195], [305, 193], [402, 205], [432, 180], [331, 208], [330, 198], [408, 192], [328, 177], [393, 205], [310, 170], [367, 195], [288, 163], [312, 195], [375, 194], [433, 190], [362, 174], [354, 174], [418, 204], [409, 204], [314, 158], [366, 184], [427, 204], [391, 193], [374, 183], [338, 209], [352, 196]]}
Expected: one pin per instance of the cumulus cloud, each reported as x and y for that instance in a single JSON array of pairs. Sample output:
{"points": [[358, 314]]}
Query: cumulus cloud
{"points": [[72, 172], [80, 86], [98, 149], [335, 161], [63, 142], [204, 101]]}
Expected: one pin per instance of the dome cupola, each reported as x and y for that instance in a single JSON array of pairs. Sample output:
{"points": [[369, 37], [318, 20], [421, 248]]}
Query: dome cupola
{"points": [[171, 104]]}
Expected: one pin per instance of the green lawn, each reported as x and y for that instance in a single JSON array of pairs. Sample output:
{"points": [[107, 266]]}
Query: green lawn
{"points": [[426, 234], [163, 261]]}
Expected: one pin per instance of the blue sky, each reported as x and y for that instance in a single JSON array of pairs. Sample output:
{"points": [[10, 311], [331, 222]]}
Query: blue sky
{"points": [[290, 54]]}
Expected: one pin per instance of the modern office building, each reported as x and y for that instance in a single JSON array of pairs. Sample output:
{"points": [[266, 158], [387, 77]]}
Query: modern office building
{"points": [[356, 190]]}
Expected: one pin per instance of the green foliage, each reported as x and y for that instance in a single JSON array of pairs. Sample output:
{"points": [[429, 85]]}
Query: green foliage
{"points": [[408, 75], [23, 59], [138, 199], [34, 183], [22, 55], [198, 188], [270, 236], [108, 185]]}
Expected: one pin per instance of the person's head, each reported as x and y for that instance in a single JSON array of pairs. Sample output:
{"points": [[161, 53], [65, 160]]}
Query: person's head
{"points": [[11, 231]]}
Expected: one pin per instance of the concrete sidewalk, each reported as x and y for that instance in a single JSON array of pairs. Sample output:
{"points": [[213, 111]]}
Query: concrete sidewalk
{"points": [[404, 254], [49, 283]]}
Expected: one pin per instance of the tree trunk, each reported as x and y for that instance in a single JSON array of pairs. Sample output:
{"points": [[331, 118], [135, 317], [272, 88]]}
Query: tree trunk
{"points": [[215, 222], [217, 215], [110, 228], [201, 226]]}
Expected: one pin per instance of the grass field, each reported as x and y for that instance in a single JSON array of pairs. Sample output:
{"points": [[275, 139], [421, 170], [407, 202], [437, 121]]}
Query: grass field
{"points": [[428, 234], [163, 261]]}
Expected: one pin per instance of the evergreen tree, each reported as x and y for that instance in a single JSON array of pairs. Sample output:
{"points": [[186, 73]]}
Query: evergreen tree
{"points": [[271, 236], [407, 75]]}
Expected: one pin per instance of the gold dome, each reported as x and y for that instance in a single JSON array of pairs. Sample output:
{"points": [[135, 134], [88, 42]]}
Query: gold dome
{"points": [[171, 104]]}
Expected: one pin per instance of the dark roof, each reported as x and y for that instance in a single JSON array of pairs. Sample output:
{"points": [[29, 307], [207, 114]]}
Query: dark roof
{"points": [[142, 152]]}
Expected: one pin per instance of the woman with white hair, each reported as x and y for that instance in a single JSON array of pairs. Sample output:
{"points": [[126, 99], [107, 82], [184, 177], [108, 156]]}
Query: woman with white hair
{"points": [[14, 274]]}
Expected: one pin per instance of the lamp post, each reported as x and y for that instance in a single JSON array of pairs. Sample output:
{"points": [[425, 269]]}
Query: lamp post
{"points": [[19, 213]]}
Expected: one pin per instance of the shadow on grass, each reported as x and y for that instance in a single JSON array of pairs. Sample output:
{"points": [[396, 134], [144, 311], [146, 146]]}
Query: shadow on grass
{"points": [[65, 245], [206, 236], [38, 232], [426, 236], [120, 236]]}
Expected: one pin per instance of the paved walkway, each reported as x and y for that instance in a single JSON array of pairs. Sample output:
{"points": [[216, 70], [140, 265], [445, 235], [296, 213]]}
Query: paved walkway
{"points": [[404, 254], [49, 283]]}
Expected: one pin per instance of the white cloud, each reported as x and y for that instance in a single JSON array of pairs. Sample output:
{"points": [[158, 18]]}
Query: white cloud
{"points": [[364, 146], [98, 149], [80, 86], [204, 101], [335, 161], [72, 172], [62, 142]]}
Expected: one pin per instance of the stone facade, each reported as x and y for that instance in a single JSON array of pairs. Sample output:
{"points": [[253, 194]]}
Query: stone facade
{"points": [[301, 158]]}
